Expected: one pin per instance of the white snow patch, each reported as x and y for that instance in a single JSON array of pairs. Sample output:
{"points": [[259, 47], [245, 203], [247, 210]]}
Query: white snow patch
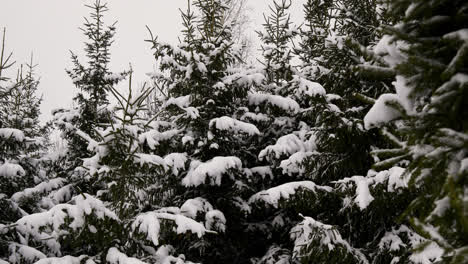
{"points": [[19, 252], [274, 195], [15, 134], [154, 137], [32, 226], [114, 256], [391, 241], [63, 260], [192, 207], [176, 161], [41, 188], [148, 224], [293, 164], [185, 224], [284, 103], [329, 237], [226, 123], [461, 34], [363, 195], [432, 253], [263, 171], [288, 144], [306, 87], [149, 159], [11, 170], [382, 113], [214, 169], [215, 220]]}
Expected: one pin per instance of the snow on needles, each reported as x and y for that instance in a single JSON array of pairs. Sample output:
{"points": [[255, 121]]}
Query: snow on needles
{"points": [[285, 103], [8, 133], [114, 256], [226, 123], [64, 260], [176, 161], [192, 207], [306, 87], [41, 188], [10, 170], [327, 235], [84, 205], [394, 178], [274, 195], [214, 169], [288, 144], [389, 107], [381, 112]]}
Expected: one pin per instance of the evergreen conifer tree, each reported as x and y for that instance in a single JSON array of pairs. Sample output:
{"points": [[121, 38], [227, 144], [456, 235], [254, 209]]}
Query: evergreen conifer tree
{"points": [[93, 81], [207, 97], [335, 40], [347, 218], [427, 50], [282, 111], [13, 175], [237, 164], [123, 222], [22, 136], [21, 145]]}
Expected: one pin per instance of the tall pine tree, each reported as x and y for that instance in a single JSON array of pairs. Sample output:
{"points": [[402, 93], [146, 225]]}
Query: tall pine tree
{"points": [[93, 81]]}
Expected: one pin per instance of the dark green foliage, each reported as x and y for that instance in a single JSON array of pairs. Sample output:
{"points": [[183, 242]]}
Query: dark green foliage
{"points": [[200, 87], [94, 81], [21, 136], [221, 162], [336, 38], [434, 74], [276, 46]]}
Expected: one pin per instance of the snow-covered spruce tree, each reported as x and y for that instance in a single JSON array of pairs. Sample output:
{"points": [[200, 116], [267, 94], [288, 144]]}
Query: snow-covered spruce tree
{"points": [[123, 223], [20, 111], [370, 204], [334, 41], [22, 136], [15, 145], [207, 98], [21, 141], [120, 167], [283, 110], [428, 49], [23, 103], [276, 44], [352, 218], [93, 81], [12, 143]]}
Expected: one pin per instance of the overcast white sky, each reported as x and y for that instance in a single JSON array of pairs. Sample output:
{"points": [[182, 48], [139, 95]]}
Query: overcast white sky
{"points": [[49, 29]]}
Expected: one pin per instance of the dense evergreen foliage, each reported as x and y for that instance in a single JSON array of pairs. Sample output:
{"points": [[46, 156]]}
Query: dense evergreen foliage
{"points": [[345, 142]]}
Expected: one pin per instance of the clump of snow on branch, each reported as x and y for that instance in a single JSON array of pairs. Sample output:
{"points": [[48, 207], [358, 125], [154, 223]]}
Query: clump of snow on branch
{"points": [[214, 169], [288, 145], [328, 236], [306, 87], [284, 103], [32, 226], [114, 256], [274, 195], [229, 124], [394, 178], [11, 170], [176, 162]]}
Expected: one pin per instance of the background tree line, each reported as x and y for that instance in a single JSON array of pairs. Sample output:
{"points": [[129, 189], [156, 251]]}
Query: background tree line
{"points": [[347, 143]]}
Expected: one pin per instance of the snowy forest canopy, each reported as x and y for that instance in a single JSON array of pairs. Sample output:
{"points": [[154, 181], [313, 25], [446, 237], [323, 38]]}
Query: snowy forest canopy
{"points": [[346, 143]]}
